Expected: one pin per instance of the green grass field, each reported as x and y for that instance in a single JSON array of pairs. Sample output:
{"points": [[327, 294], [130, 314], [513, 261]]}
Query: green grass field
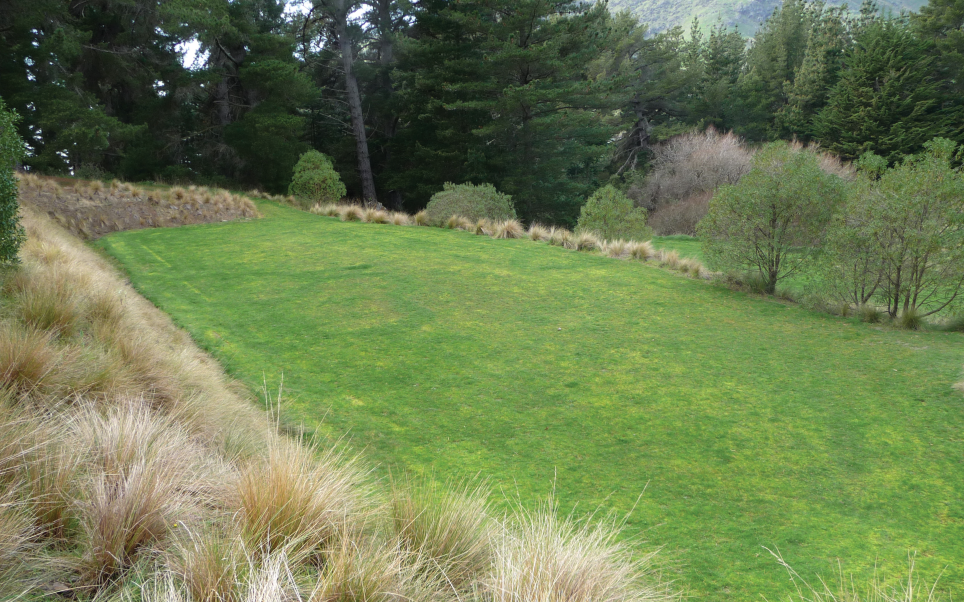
{"points": [[742, 422]]}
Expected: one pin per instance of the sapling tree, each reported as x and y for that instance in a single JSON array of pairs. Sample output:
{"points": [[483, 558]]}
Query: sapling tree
{"points": [[11, 151], [315, 180], [917, 225], [774, 219]]}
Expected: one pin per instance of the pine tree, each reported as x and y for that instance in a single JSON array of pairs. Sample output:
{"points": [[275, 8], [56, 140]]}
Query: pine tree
{"points": [[817, 75], [887, 100]]}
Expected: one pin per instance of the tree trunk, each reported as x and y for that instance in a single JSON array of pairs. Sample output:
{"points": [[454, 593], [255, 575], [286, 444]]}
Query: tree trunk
{"points": [[355, 108]]}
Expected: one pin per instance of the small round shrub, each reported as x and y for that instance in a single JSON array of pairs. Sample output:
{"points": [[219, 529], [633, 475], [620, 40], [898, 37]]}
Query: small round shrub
{"points": [[316, 181], [611, 215], [470, 201]]}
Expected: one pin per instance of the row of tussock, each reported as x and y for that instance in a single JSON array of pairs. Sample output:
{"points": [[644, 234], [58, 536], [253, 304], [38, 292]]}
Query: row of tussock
{"points": [[505, 229], [132, 468], [91, 209]]}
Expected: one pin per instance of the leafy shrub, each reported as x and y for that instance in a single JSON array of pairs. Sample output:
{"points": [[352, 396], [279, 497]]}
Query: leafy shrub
{"points": [[899, 239], [771, 222], [316, 181], [11, 151], [610, 214], [470, 201]]}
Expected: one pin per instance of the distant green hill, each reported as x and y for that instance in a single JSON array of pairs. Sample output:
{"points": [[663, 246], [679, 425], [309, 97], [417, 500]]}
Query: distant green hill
{"points": [[747, 14]]}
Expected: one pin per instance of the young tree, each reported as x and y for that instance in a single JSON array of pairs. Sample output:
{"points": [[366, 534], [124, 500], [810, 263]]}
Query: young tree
{"points": [[11, 152], [315, 180], [917, 225], [852, 266], [773, 220], [610, 214]]}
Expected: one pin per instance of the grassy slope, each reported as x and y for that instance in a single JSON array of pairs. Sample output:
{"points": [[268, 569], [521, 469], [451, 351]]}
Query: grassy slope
{"points": [[748, 422], [665, 14]]}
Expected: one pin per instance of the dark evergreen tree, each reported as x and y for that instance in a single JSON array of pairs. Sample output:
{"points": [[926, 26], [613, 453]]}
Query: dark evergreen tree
{"points": [[887, 100]]}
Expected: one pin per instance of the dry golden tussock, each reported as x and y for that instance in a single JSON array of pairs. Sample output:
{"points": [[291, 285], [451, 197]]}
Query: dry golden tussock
{"points": [[668, 259], [587, 241], [616, 249], [351, 213], [457, 222], [299, 498], [538, 233], [507, 229], [547, 558], [560, 237], [327, 209], [375, 216], [641, 251], [18, 547], [451, 525], [420, 218], [398, 218]]}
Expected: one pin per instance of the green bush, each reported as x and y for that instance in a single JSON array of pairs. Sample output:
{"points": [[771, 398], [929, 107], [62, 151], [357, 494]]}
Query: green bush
{"points": [[316, 181], [11, 151], [611, 214], [470, 201], [772, 221]]}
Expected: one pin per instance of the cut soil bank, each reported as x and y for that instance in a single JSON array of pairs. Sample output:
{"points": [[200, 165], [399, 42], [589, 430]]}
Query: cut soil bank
{"points": [[748, 423], [93, 209]]}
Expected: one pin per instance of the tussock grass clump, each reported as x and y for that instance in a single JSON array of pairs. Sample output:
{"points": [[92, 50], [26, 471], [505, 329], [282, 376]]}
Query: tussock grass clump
{"points": [[641, 251], [457, 222], [564, 559], [300, 498], [27, 358], [538, 233], [616, 249], [910, 319], [507, 229], [690, 266], [669, 259], [143, 472], [451, 525], [351, 213], [560, 237], [421, 218], [398, 218], [586, 241], [326, 209], [375, 216], [50, 304], [209, 561], [870, 314], [18, 547]]}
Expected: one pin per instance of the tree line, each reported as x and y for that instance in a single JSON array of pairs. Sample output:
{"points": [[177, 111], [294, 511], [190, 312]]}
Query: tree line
{"points": [[547, 100]]}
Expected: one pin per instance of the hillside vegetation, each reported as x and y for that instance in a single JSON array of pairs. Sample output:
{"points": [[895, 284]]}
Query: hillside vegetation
{"points": [[719, 421], [747, 15]]}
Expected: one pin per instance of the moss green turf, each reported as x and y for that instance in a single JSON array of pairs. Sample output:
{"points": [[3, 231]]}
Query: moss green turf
{"points": [[742, 422]]}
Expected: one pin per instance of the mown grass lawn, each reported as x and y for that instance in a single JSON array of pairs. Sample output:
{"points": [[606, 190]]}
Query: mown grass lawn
{"points": [[742, 422]]}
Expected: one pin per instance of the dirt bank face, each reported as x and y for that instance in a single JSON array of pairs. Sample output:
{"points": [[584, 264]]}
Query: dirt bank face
{"points": [[94, 209]]}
